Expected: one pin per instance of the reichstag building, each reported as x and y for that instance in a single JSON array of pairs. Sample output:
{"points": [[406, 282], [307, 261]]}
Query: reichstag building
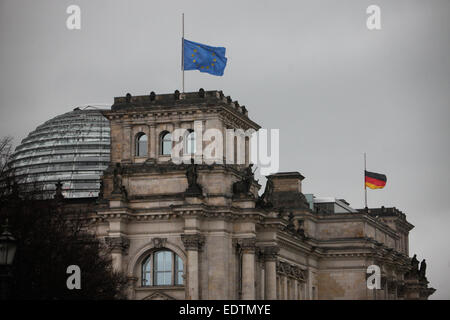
{"points": [[197, 230]]}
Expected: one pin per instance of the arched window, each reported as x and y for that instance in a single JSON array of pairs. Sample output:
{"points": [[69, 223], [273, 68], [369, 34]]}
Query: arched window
{"points": [[166, 144], [141, 145], [162, 268], [190, 142]]}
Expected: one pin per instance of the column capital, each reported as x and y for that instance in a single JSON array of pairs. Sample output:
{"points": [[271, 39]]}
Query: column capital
{"points": [[247, 245], [118, 244], [270, 252], [193, 241]]}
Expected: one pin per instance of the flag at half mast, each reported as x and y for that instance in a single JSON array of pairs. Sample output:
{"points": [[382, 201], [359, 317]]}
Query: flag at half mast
{"points": [[374, 180], [198, 56]]}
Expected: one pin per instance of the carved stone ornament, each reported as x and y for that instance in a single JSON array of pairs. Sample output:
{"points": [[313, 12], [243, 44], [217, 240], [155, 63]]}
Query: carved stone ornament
{"points": [[193, 241], [247, 245], [290, 271], [159, 242], [118, 243]]}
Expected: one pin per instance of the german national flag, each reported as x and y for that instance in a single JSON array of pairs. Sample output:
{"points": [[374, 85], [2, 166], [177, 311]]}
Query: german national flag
{"points": [[375, 180]]}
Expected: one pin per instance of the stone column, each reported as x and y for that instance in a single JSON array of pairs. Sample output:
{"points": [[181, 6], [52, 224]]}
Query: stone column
{"points": [[247, 247], [284, 280], [262, 286], [270, 272], [153, 141], [193, 244], [295, 290], [127, 143], [119, 246]]}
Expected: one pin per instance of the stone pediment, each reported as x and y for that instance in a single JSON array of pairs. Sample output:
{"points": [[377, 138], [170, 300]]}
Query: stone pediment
{"points": [[158, 296]]}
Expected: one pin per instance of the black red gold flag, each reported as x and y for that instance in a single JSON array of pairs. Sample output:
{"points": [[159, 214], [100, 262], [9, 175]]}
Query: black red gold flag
{"points": [[374, 180]]}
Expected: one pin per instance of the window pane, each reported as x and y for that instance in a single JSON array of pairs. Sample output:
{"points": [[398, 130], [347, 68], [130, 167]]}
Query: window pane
{"points": [[163, 268], [163, 261], [167, 144], [142, 146], [163, 278], [190, 148], [146, 272], [179, 271], [180, 279]]}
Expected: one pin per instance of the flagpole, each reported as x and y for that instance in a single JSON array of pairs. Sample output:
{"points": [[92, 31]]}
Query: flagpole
{"points": [[365, 187], [182, 51]]}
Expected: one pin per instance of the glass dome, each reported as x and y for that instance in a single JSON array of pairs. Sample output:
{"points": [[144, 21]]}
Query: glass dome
{"points": [[73, 148]]}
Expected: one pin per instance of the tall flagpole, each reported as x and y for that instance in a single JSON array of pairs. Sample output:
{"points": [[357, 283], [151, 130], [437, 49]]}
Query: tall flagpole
{"points": [[182, 51], [365, 187]]}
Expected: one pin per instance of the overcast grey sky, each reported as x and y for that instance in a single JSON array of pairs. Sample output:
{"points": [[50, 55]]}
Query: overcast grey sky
{"points": [[310, 68]]}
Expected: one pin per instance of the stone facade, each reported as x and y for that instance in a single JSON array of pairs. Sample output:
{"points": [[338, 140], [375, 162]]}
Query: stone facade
{"points": [[234, 244]]}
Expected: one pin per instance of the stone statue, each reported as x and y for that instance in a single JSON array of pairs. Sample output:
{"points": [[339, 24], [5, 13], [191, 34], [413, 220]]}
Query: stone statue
{"points": [[422, 270], [249, 174], [242, 187], [117, 179], [58, 192], [415, 263], [192, 176], [291, 225], [264, 200], [124, 192]]}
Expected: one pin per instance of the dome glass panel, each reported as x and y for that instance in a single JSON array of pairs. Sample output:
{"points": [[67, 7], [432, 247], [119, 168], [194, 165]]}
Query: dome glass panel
{"points": [[73, 148]]}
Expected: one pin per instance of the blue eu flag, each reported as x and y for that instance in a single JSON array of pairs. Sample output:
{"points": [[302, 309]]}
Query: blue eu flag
{"points": [[204, 58]]}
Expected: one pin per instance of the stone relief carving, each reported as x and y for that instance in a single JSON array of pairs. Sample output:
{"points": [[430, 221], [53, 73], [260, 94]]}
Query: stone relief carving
{"points": [[289, 270]]}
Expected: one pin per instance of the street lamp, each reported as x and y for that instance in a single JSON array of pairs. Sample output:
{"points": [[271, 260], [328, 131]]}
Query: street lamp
{"points": [[8, 246]]}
